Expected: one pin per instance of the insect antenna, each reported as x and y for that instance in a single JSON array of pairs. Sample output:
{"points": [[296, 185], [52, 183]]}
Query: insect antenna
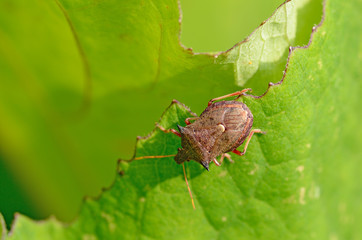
{"points": [[183, 167], [188, 187], [161, 156]]}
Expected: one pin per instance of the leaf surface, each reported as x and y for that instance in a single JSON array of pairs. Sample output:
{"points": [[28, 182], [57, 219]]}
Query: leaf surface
{"points": [[86, 79], [3, 231], [295, 182]]}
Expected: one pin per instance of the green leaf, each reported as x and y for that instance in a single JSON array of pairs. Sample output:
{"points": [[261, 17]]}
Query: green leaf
{"points": [[3, 230], [86, 80], [296, 182], [267, 44]]}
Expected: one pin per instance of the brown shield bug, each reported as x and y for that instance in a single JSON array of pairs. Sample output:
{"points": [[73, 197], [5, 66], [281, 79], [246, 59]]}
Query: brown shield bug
{"points": [[221, 128]]}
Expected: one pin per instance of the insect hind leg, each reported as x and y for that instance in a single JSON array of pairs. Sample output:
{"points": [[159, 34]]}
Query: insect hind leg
{"points": [[238, 93]]}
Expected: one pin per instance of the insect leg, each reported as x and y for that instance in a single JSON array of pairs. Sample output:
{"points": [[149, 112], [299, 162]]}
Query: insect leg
{"points": [[188, 187], [225, 155], [187, 120], [216, 162], [238, 93], [160, 156], [247, 142], [168, 130], [164, 156]]}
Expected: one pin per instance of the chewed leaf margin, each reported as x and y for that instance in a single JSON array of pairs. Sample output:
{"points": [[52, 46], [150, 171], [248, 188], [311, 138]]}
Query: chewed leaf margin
{"points": [[163, 123], [271, 39], [291, 51]]}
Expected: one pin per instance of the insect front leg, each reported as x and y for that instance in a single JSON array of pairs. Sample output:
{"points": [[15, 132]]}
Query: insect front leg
{"points": [[160, 156], [247, 142], [238, 93], [183, 164], [187, 120], [168, 130]]}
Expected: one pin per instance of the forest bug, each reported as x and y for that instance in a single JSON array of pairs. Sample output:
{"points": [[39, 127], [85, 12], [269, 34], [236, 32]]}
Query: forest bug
{"points": [[222, 127]]}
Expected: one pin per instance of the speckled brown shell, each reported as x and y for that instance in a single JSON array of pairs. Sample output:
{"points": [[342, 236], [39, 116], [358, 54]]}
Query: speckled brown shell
{"points": [[204, 139]]}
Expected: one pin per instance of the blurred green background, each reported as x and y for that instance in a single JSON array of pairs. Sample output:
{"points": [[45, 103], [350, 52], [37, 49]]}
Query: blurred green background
{"points": [[212, 26], [30, 45]]}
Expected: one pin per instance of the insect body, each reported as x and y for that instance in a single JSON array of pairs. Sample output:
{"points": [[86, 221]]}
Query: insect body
{"points": [[222, 127]]}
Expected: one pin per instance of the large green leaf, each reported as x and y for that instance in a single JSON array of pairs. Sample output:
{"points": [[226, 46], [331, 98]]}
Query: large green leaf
{"points": [[80, 78], [299, 181]]}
